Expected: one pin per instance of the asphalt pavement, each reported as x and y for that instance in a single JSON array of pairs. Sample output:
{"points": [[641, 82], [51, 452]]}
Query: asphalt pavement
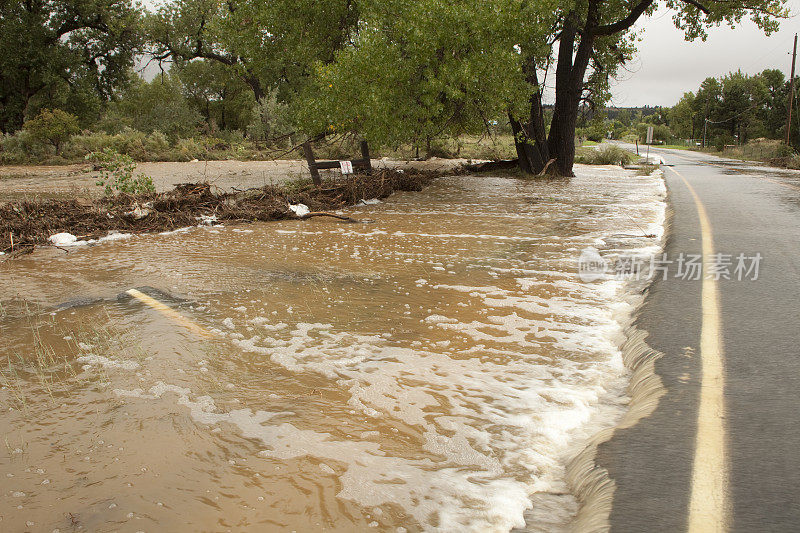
{"points": [[752, 217]]}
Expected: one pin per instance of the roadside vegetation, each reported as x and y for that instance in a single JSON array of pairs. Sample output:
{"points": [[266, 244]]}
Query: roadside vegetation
{"points": [[256, 80], [609, 154], [735, 115]]}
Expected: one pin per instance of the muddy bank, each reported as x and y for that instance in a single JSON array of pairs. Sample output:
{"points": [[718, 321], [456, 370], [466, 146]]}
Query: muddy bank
{"points": [[26, 224], [19, 182]]}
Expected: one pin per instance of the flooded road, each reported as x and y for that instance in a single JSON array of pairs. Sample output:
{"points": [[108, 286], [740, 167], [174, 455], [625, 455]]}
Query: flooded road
{"points": [[431, 370]]}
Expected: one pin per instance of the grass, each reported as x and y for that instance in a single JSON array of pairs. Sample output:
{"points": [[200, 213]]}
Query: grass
{"points": [[42, 372], [646, 169], [673, 147], [156, 148], [476, 147], [46, 369], [770, 151], [608, 154]]}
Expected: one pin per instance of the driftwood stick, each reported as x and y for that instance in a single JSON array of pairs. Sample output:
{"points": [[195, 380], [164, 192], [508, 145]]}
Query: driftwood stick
{"points": [[544, 170], [325, 214]]}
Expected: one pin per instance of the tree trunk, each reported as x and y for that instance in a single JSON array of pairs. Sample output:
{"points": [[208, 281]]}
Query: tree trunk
{"points": [[530, 140], [522, 146], [534, 149], [255, 86], [561, 140], [570, 71]]}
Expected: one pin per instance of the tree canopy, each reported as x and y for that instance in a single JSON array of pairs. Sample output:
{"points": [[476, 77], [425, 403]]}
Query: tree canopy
{"points": [[65, 53], [266, 44], [420, 70], [392, 71]]}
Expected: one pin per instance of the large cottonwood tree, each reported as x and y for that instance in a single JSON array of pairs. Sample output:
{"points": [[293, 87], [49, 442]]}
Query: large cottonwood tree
{"points": [[425, 67], [67, 53], [267, 44]]}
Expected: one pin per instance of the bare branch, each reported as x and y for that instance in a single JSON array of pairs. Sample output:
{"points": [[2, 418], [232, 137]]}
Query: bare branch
{"points": [[624, 24], [698, 5]]}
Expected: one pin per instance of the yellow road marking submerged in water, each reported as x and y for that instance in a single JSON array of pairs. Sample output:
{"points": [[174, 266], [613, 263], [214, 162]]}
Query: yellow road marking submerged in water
{"points": [[169, 312], [708, 503]]}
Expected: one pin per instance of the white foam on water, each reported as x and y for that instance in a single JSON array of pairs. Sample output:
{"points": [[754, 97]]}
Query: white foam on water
{"points": [[113, 236], [177, 231], [465, 236], [497, 420], [106, 362]]}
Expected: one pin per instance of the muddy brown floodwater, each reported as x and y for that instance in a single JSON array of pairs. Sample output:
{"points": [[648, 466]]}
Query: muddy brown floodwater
{"points": [[432, 370]]}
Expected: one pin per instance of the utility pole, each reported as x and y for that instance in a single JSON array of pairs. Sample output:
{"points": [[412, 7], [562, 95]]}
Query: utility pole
{"points": [[791, 92], [705, 127]]}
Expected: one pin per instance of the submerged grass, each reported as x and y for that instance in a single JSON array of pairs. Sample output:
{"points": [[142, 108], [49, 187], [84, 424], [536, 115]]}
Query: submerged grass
{"points": [[40, 372], [43, 371]]}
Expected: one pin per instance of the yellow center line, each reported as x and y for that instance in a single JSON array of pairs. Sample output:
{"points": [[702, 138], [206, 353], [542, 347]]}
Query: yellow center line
{"points": [[708, 503], [169, 312]]}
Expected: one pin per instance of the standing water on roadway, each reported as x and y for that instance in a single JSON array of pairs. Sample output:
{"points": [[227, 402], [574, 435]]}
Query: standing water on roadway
{"points": [[433, 370]]}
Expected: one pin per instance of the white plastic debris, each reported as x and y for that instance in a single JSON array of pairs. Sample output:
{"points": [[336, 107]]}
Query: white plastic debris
{"points": [[300, 210], [139, 212], [207, 220], [63, 239], [371, 201]]}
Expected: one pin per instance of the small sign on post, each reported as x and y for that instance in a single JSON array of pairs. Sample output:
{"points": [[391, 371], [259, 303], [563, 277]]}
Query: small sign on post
{"points": [[346, 166], [649, 134]]}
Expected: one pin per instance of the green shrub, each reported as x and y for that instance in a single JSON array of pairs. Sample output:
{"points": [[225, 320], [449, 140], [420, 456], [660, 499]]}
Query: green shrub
{"points": [[116, 173], [188, 149], [52, 127], [271, 119], [783, 150], [15, 148], [606, 154], [158, 105], [157, 142], [722, 141], [138, 145]]}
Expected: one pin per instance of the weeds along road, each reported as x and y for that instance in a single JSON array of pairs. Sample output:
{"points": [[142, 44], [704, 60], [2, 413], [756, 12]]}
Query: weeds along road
{"points": [[721, 452]]}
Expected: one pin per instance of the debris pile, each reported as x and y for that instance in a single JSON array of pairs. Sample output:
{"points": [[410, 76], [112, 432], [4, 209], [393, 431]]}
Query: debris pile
{"points": [[26, 224]]}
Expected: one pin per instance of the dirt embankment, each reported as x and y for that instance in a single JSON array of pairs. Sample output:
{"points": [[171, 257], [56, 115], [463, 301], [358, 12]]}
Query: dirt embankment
{"points": [[65, 181], [26, 224]]}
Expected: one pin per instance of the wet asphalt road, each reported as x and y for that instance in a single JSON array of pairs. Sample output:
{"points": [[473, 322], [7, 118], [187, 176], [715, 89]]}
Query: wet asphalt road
{"points": [[751, 210]]}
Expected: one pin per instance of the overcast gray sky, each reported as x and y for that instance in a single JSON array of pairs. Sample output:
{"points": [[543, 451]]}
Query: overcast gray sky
{"points": [[667, 66]]}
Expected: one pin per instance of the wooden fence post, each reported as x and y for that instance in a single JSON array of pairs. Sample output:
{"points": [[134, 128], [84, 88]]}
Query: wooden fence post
{"points": [[312, 163], [365, 154]]}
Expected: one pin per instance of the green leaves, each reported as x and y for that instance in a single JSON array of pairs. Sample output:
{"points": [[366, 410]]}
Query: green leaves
{"points": [[695, 17], [53, 127], [266, 44], [116, 173], [420, 70], [65, 53]]}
